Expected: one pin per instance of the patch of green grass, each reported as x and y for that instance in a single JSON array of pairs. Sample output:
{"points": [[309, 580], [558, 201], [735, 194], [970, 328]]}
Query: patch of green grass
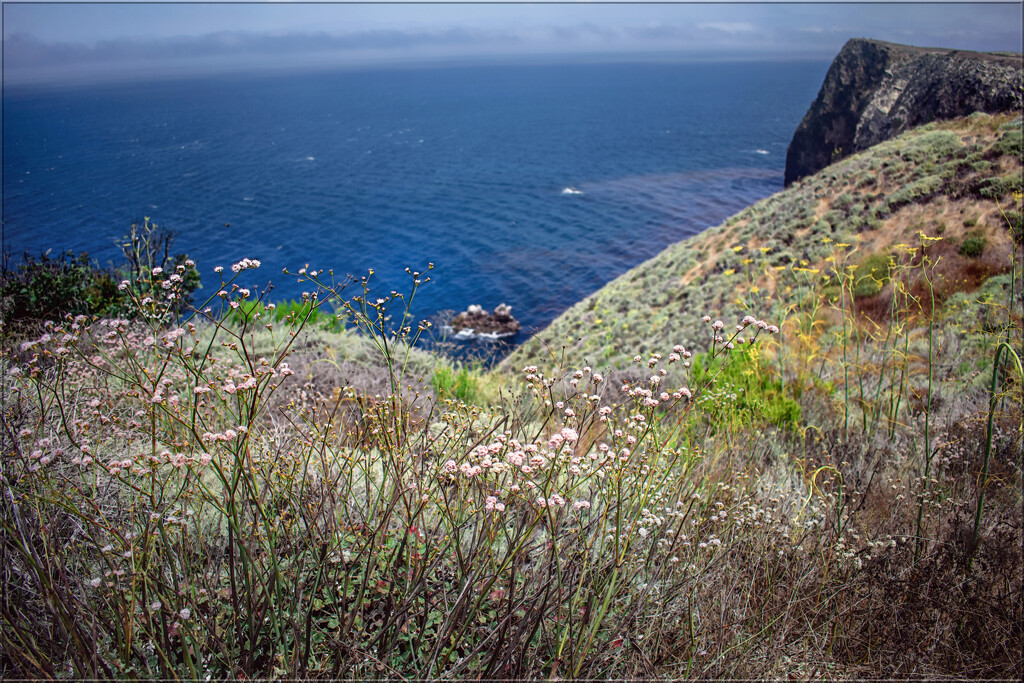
{"points": [[871, 275], [461, 383], [746, 391]]}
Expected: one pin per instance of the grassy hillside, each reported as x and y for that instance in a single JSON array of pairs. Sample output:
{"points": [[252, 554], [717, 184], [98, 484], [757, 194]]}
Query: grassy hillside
{"points": [[948, 180]]}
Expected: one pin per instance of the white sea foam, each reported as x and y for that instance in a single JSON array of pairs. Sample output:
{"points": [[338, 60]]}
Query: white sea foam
{"points": [[247, 199], [468, 333], [571, 190], [762, 151]]}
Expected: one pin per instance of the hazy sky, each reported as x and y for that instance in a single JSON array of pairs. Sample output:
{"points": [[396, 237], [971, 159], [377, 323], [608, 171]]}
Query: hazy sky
{"points": [[71, 42]]}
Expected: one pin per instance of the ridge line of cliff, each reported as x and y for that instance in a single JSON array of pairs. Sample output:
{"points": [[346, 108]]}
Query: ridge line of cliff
{"points": [[876, 90]]}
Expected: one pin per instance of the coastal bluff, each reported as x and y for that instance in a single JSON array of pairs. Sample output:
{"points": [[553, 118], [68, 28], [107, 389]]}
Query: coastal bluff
{"points": [[876, 90]]}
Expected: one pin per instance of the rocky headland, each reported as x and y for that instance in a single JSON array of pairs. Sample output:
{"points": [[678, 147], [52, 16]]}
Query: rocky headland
{"points": [[876, 90]]}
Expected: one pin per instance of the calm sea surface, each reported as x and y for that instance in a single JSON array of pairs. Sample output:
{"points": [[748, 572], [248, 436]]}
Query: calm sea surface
{"points": [[465, 167]]}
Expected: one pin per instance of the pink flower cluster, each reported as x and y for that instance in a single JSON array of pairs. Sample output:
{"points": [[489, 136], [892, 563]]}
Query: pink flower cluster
{"points": [[245, 264]]}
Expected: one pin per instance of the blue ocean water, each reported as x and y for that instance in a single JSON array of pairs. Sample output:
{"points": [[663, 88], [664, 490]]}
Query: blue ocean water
{"points": [[462, 166]]}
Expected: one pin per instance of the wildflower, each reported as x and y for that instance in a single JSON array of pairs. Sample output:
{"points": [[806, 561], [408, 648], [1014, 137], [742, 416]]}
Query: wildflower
{"points": [[569, 434], [95, 583], [158, 270], [185, 613], [244, 264], [581, 505]]}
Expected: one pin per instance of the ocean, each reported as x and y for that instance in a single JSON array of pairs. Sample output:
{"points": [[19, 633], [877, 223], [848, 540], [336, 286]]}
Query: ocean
{"points": [[526, 185]]}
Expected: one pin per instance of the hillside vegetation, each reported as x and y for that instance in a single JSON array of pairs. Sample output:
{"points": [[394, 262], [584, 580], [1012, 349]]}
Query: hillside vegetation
{"points": [[788, 447], [949, 180]]}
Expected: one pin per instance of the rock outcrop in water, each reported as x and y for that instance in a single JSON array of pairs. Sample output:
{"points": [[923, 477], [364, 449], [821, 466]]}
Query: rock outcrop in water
{"points": [[475, 321], [875, 90]]}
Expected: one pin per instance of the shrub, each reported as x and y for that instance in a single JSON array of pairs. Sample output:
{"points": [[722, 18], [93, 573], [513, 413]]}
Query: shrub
{"points": [[50, 287], [974, 244], [917, 191], [1011, 143], [931, 144], [998, 187]]}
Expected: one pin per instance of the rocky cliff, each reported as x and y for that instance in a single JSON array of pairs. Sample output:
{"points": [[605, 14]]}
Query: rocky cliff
{"points": [[875, 90]]}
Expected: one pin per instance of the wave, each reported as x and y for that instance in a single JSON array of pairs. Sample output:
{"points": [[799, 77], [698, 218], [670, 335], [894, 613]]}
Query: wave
{"points": [[571, 190], [467, 334]]}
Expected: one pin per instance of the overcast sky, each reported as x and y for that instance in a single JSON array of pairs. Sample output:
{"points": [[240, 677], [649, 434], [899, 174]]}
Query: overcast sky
{"points": [[46, 42]]}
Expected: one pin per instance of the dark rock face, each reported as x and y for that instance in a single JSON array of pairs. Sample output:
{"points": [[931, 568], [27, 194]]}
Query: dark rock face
{"points": [[875, 90]]}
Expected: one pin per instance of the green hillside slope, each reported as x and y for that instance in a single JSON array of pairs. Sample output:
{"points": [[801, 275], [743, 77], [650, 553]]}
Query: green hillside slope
{"points": [[947, 179]]}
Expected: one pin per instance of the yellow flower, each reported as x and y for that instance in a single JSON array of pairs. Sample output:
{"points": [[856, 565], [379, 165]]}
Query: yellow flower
{"points": [[738, 248], [729, 272]]}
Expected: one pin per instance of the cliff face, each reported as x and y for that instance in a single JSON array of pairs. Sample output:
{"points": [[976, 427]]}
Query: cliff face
{"points": [[875, 90]]}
